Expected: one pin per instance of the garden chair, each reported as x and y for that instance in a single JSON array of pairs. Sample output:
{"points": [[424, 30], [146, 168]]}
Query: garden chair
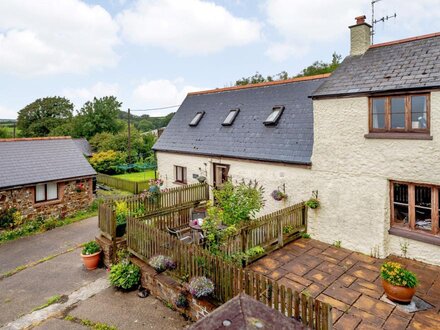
{"points": [[183, 233]]}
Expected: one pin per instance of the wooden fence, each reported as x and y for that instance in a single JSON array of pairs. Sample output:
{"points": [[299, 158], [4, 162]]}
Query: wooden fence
{"points": [[170, 201], [270, 231], [122, 184], [145, 241]]}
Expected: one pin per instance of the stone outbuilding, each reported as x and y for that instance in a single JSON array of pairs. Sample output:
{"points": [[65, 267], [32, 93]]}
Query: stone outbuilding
{"points": [[48, 177]]}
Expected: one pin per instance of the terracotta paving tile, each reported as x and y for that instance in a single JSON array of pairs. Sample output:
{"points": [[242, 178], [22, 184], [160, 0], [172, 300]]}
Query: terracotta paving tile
{"points": [[403, 314], [363, 273], [295, 250], [291, 284], [314, 252], [277, 274], [303, 243], [336, 253], [368, 288], [296, 268], [269, 263], [333, 302], [259, 268], [298, 279], [331, 268], [346, 280], [314, 290], [328, 258], [348, 262], [395, 322], [364, 258], [366, 326], [342, 293], [374, 306], [320, 277], [308, 260], [287, 257], [372, 267], [367, 317], [347, 322], [336, 314]]}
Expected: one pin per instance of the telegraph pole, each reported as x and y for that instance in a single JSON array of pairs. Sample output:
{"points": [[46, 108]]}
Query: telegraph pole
{"points": [[129, 138]]}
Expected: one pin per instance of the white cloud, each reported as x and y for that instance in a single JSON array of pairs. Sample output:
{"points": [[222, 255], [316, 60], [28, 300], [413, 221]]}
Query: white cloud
{"points": [[161, 93], [7, 113], [55, 36], [304, 25], [81, 95], [187, 27]]}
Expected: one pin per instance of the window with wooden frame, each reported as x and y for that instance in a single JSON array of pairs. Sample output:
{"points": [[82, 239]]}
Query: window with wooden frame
{"points": [[415, 207], [179, 174], [400, 114], [46, 192]]}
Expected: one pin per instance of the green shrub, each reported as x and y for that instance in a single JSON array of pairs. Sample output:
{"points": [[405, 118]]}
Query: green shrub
{"points": [[50, 224], [108, 162], [7, 218], [91, 248], [121, 210], [124, 275]]}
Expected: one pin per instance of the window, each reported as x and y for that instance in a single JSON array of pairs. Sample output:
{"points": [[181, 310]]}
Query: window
{"points": [[231, 117], [221, 172], [46, 192], [180, 174], [274, 115], [402, 113], [197, 118], [415, 207]]}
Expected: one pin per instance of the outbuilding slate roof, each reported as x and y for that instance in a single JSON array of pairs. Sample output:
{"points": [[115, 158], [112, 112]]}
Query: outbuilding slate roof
{"points": [[31, 161], [290, 141], [84, 146], [399, 65]]}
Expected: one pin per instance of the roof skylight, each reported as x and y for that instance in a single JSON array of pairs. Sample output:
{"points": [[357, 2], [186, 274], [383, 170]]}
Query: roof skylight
{"points": [[230, 117], [197, 118], [274, 116]]}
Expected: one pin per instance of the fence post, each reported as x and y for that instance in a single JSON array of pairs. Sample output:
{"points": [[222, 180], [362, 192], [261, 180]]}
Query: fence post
{"points": [[280, 231], [244, 236]]}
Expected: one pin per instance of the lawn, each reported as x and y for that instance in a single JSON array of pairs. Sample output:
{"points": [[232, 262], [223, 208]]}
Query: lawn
{"points": [[139, 176]]}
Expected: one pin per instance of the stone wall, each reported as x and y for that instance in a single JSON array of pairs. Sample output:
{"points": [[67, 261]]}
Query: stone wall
{"points": [[69, 200], [167, 289], [107, 248]]}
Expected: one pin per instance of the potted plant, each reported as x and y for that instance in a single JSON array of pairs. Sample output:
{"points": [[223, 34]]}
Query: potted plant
{"points": [[90, 255], [121, 218], [278, 195], [313, 202], [399, 283], [80, 187], [161, 263], [182, 301], [124, 275], [200, 287]]}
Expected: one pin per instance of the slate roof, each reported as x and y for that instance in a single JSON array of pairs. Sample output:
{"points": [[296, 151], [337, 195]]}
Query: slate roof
{"points": [[84, 146], [400, 65], [246, 313], [31, 161], [291, 141]]}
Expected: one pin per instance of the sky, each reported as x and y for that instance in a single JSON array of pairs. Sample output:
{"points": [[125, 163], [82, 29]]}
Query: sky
{"points": [[151, 53]]}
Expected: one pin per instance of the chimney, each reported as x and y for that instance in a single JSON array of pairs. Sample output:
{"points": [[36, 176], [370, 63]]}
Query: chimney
{"points": [[360, 36]]}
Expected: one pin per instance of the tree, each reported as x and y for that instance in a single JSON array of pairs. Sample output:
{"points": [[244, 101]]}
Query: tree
{"points": [[320, 67], [145, 125], [4, 133], [97, 116], [40, 117]]}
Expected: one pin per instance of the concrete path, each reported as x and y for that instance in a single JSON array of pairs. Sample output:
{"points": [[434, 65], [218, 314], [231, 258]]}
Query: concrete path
{"points": [[33, 248]]}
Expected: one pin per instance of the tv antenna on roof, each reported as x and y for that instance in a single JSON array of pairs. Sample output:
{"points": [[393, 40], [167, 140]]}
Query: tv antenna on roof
{"points": [[375, 21]]}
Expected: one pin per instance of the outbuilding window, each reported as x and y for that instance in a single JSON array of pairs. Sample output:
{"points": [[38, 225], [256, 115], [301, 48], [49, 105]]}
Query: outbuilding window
{"points": [[197, 118], [46, 192], [400, 114], [274, 116], [179, 174], [230, 117], [415, 207]]}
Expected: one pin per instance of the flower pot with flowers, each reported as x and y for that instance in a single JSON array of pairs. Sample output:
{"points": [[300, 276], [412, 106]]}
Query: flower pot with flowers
{"points": [[161, 263], [154, 189], [121, 210], [200, 287], [90, 255], [80, 187], [398, 282], [278, 195]]}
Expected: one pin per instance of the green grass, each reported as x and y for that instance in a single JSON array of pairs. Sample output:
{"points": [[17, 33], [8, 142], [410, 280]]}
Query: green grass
{"points": [[52, 300], [138, 176]]}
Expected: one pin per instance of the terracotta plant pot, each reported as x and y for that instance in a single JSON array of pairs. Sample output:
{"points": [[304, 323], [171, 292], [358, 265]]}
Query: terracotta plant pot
{"points": [[400, 294], [91, 261]]}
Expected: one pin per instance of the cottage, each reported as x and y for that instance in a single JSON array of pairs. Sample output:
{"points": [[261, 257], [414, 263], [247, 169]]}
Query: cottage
{"points": [[44, 176], [364, 138]]}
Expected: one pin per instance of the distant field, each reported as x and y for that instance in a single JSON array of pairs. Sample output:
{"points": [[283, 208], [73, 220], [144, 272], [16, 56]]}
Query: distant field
{"points": [[139, 176], [10, 130]]}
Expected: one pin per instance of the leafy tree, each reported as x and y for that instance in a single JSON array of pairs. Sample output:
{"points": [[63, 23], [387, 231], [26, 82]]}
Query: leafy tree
{"points": [[97, 116], [145, 125], [320, 67], [108, 161], [40, 117], [4, 133]]}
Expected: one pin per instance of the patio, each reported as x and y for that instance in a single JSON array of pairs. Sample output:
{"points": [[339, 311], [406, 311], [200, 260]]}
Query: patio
{"points": [[350, 282]]}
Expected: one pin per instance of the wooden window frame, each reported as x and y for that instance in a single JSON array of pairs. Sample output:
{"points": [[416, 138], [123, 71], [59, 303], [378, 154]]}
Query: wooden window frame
{"points": [[408, 111], [214, 167], [408, 231], [183, 169], [45, 193]]}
